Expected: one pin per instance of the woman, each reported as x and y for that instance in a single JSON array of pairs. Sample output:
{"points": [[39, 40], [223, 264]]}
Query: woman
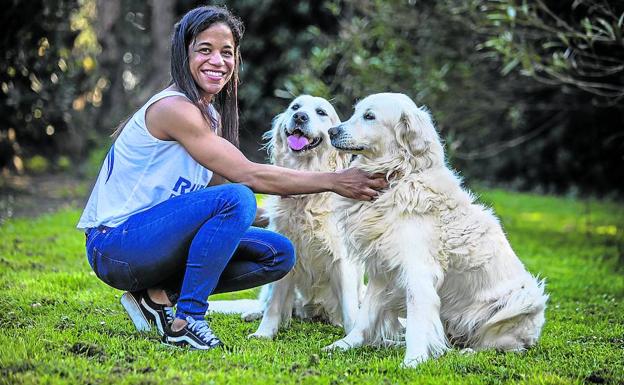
{"points": [[153, 228]]}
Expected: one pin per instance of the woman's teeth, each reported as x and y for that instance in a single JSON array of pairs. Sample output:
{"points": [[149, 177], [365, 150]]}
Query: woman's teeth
{"points": [[213, 73]]}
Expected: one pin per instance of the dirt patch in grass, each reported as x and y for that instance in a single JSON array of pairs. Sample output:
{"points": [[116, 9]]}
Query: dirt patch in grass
{"points": [[87, 350], [31, 196]]}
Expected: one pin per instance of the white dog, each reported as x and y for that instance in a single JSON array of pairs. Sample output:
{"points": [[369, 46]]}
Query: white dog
{"points": [[429, 250], [322, 285]]}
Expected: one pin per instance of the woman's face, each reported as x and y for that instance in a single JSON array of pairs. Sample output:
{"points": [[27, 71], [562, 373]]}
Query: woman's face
{"points": [[212, 59]]}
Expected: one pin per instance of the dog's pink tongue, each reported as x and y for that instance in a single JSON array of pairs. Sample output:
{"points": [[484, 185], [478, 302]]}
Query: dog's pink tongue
{"points": [[297, 142]]}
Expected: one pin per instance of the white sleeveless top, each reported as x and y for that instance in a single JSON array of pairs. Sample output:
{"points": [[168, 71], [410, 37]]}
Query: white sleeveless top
{"points": [[141, 171]]}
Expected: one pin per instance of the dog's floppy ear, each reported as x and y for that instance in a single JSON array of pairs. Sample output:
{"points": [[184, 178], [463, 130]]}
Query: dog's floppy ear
{"points": [[333, 116], [409, 132], [272, 138], [416, 134]]}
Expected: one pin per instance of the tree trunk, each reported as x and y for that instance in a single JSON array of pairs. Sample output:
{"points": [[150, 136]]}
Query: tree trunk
{"points": [[161, 29], [111, 65]]}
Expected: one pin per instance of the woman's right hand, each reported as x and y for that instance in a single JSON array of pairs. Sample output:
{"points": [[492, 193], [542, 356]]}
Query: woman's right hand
{"points": [[357, 184]]}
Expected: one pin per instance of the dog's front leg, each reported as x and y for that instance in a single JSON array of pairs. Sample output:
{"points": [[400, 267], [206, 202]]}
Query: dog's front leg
{"points": [[346, 280], [347, 277], [351, 278], [280, 303], [424, 332], [366, 318]]}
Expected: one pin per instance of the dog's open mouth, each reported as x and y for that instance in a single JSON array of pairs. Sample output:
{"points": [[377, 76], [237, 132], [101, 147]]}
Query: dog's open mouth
{"points": [[297, 141]]}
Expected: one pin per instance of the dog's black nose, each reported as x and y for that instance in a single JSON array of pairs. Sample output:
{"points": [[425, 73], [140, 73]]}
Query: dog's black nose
{"points": [[300, 117], [334, 131]]}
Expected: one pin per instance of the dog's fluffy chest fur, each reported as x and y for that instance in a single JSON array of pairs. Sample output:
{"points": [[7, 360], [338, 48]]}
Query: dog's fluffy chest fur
{"points": [[313, 246], [308, 228]]}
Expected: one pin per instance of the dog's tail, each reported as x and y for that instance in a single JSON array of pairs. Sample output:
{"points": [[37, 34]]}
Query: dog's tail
{"points": [[518, 322], [528, 299], [249, 309]]}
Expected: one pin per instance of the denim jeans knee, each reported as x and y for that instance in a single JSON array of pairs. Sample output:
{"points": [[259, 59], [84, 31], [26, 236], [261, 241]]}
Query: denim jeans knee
{"points": [[242, 202]]}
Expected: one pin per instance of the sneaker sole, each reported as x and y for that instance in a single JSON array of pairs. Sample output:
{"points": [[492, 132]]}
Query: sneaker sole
{"points": [[190, 348], [134, 311], [186, 342]]}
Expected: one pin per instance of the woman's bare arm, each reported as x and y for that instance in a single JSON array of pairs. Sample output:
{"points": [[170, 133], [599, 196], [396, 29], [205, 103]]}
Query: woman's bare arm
{"points": [[175, 118]]}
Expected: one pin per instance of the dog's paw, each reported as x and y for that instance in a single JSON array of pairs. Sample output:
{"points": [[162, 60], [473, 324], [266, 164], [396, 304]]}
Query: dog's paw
{"points": [[251, 316], [261, 335], [412, 362], [388, 343], [338, 345]]}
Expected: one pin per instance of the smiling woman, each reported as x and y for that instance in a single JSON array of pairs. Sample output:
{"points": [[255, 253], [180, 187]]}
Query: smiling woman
{"points": [[158, 226]]}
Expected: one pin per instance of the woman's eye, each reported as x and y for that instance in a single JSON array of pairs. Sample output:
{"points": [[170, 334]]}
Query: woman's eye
{"points": [[228, 54], [369, 116], [321, 112], [203, 51], [295, 107]]}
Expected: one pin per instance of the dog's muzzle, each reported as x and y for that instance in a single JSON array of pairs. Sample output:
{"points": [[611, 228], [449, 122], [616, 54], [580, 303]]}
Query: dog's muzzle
{"points": [[341, 141]]}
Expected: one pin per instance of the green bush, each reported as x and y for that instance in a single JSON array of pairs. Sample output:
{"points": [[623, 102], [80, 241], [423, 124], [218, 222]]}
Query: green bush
{"points": [[63, 163], [37, 164]]}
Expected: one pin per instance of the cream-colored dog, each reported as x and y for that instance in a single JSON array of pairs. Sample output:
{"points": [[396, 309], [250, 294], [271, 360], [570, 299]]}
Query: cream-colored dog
{"points": [[430, 251], [322, 285]]}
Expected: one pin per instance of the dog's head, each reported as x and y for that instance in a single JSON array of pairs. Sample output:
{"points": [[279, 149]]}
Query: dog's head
{"points": [[390, 125], [300, 134]]}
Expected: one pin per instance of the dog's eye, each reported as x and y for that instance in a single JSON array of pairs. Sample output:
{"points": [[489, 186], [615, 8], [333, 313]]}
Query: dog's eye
{"points": [[295, 107], [321, 112], [369, 116]]}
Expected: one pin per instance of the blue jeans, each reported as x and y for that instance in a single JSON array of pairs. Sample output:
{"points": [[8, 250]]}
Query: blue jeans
{"points": [[195, 244]]}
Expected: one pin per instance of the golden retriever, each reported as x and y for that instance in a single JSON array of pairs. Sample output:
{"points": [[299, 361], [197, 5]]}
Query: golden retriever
{"points": [[430, 251], [322, 285]]}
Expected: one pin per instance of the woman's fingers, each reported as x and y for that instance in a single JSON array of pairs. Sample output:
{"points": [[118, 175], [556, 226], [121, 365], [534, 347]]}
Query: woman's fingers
{"points": [[371, 194], [358, 184], [379, 181]]}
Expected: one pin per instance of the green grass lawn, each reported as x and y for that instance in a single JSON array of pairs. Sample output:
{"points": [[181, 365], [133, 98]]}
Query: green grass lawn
{"points": [[60, 324]]}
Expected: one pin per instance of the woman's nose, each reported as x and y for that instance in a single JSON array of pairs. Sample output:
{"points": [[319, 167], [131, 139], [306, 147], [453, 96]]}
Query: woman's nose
{"points": [[216, 59]]}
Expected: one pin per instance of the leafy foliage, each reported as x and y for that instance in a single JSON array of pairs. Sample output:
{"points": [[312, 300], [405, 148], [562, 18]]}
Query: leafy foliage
{"points": [[48, 80], [576, 44]]}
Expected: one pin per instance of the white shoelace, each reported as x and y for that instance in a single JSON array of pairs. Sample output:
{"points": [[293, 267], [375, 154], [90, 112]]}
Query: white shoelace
{"points": [[169, 314], [203, 331]]}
